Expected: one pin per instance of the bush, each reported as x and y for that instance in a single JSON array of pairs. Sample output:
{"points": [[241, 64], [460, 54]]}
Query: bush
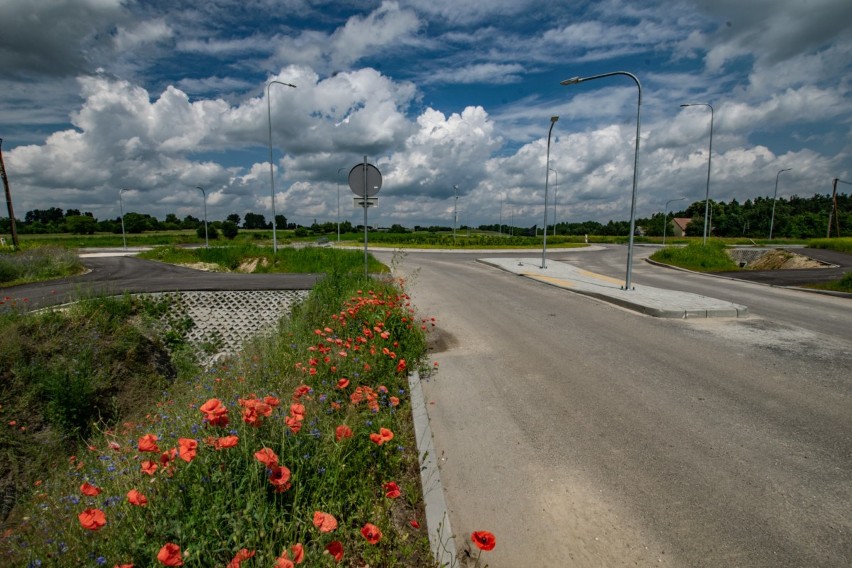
{"points": [[230, 230]]}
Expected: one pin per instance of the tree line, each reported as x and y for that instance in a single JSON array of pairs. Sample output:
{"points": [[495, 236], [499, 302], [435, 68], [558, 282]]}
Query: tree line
{"points": [[795, 217]]}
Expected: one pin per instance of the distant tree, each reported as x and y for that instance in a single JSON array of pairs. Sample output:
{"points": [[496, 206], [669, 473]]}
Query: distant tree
{"points": [[212, 233], [397, 228], [72, 213], [234, 218], [80, 224], [230, 229], [171, 218], [45, 216], [138, 223], [281, 222], [254, 221], [189, 222]]}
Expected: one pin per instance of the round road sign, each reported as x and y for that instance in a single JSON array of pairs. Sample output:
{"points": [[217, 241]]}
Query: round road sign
{"points": [[356, 180]]}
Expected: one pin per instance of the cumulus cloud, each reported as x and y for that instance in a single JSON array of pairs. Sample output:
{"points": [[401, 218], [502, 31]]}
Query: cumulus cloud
{"points": [[53, 38]]}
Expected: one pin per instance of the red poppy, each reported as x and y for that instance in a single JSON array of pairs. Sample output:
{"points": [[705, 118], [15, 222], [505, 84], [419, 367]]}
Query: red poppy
{"points": [[297, 411], [298, 553], [301, 391], [400, 367], [92, 519], [168, 457], [242, 554], [414, 523], [342, 431], [267, 457], [149, 467], [123, 566], [293, 423], [148, 443], [271, 401], [394, 401], [283, 562], [384, 435], [391, 490], [335, 548], [170, 555], [225, 442], [136, 498], [188, 448], [324, 522], [483, 540], [215, 412], [343, 383], [279, 477], [90, 490], [371, 533]]}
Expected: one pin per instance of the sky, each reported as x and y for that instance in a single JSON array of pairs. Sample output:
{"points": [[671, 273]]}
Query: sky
{"points": [[450, 99]]}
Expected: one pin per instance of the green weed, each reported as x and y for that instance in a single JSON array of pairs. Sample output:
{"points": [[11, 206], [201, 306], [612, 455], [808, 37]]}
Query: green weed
{"points": [[698, 257]]}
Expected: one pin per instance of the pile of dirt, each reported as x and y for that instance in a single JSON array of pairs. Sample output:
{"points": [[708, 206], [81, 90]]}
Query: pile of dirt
{"points": [[782, 260], [250, 265]]}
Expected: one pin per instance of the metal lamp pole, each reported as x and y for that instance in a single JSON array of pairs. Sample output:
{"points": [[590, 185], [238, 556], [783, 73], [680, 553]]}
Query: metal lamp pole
{"points": [[338, 202], [666, 216], [204, 194], [271, 173], [574, 81], [555, 191], [121, 209], [834, 208], [553, 120], [709, 158], [455, 211], [774, 197]]}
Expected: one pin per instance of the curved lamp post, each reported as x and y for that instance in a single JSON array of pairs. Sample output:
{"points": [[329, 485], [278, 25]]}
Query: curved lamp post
{"points": [[555, 190], [666, 216], [204, 195], [709, 158], [271, 173], [121, 209], [553, 120], [774, 197], [338, 201], [574, 81]]}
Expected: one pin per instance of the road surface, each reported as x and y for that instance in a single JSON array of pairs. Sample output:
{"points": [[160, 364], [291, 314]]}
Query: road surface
{"points": [[582, 434]]}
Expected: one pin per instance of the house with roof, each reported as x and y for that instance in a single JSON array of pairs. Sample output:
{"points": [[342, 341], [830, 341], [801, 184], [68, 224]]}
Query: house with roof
{"points": [[679, 225]]}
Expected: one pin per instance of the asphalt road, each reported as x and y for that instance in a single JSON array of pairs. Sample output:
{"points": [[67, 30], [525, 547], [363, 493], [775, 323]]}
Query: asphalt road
{"points": [[582, 434], [119, 274]]}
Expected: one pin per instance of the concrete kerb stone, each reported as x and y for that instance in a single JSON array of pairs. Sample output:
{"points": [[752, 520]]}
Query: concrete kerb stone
{"points": [[437, 519]]}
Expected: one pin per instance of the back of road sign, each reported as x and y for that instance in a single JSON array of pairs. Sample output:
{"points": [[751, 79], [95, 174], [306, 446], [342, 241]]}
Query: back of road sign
{"points": [[356, 180]]}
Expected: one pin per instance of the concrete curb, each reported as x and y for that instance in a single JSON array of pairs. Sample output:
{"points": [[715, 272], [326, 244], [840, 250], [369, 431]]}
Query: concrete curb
{"points": [[437, 518], [646, 300]]}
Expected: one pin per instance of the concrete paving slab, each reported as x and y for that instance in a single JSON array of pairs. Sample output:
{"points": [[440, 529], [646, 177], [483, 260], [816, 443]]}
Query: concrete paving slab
{"points": [[647, 300]]}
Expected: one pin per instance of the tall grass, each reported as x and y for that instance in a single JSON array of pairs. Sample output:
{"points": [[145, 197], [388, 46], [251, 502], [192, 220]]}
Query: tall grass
{"points": [[37, 264], [842, 244], [698, 257], [340, 362], [288, 259]]}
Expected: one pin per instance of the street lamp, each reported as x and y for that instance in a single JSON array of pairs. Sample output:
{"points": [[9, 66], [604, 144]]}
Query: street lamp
{"points": [[834, 208], [709, 158], [338, 202], [555, 190], [666, 216], [121, 209], [455, 211], [271, 173], [774, 197], [574, 81], [553, 120], [204, 195]]}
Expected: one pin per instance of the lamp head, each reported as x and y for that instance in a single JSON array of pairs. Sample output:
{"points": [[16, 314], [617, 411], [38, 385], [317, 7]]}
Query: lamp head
{"points": [[554, 118], [571, 81]]}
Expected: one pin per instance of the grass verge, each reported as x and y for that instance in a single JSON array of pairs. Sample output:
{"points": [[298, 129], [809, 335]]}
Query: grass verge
{"points": [[37, 264], [258, 259], [301, 446], [842, 244], [696, 256], [842, 285]]}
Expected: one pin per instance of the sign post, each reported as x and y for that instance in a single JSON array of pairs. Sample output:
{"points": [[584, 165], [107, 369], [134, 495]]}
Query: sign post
{"points": [[365, 181]]}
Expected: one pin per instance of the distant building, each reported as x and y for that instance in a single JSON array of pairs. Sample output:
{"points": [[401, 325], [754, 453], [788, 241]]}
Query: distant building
{"points": [[680, 224]]}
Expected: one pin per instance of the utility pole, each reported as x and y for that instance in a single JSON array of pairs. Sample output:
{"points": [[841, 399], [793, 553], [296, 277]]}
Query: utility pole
{"points": [[8, 198]]}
